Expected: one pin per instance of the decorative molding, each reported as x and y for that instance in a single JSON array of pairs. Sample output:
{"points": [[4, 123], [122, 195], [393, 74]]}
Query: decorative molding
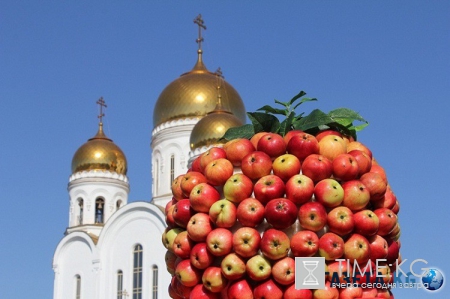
{"points": [[175, 123], [90, 174]]}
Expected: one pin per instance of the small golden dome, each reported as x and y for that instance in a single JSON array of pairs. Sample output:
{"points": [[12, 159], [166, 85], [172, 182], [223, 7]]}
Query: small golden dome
{"points": [[99, 153], [193, 94], [211, 128]]}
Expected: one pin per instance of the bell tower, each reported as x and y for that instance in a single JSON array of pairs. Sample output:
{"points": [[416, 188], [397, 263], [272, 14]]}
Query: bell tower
{"points": [[98, 185]]}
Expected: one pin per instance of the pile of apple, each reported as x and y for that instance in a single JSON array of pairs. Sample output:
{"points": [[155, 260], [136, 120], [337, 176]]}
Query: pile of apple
{"points": [[244, 211]]}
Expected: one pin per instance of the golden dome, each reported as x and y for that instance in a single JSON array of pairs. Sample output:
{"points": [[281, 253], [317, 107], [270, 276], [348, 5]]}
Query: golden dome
{"points": [[211, 128], [193, 94], [99, 153]]}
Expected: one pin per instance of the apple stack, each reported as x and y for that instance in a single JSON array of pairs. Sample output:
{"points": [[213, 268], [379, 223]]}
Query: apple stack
{"points": [[243, 212]]}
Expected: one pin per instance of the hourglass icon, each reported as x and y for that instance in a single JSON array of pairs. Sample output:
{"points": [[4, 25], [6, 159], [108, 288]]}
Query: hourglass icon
{"points": [[310, 279]]}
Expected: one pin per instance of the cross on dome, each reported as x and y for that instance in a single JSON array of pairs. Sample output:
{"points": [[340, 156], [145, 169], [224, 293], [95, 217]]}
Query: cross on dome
{"points": [[199, 21], [101, 103]]}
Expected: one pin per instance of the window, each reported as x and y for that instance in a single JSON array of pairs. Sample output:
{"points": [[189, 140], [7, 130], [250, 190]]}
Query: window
{"points": [[156, 174], [118, 204], [77, 287], [99, 206], [120, 291], [172, 168], [155, 282], [80, 216], [137, 272]]}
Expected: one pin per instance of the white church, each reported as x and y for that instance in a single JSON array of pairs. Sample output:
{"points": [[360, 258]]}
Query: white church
{"points": [[112, 248]]}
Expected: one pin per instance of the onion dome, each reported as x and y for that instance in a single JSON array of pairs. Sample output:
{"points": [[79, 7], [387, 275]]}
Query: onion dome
{"points": [[211, 128], [192, 94], [99, 153]]}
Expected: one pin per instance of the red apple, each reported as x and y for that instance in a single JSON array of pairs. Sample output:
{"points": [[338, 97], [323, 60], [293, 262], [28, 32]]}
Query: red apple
{"points": [[283, 271], [366, 223], [339, 269], [280, 213], [176, 188], [286, 166], [299, 189], [200, 256], [302, 146], [328, 292], [220, 241], [363, 159], [237, 149], [369, 293], [317, 167], [233, 266], [268, 187], [250, 212], [180, 289], [304, 243], [378, 247], [387, 220], [196, 165], [340, 221], [332, 146], [169, 216], [331, 246], [375, 184], [240, 289], [186, 274], [223, 213], [217, 172], [190, 180], [182, 245], [380, 170], [387, 201], [246, 241], [213, 279], [258, 268], [357, 248], [356, 145], [255, 138], [324, 133], [238, 187], [182, 212], [256, 165], [393, 251], [267, 290], [275, 244], [200, 292], [312, 216], [169, 236], [170, 259], [329, 193], [345, 167], [350, 292], [292, 293], [291, 134], [202, 197], [198, 227], [210, 155], [356, 195], [272, 144]]}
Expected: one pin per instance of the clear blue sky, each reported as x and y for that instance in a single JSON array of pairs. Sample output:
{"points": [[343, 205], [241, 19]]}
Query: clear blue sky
{"points": [[388, 60]]}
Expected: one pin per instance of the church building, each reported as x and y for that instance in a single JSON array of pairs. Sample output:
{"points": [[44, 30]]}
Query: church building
{"points": [[112, 248]]}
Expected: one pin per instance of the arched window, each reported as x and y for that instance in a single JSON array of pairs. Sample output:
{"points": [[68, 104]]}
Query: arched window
{"points": [[137, 272], [80, 215], [156, 175], [155, 282], [118, 204], [77, 286], [172, 168], [99, 208], [120, 291]]}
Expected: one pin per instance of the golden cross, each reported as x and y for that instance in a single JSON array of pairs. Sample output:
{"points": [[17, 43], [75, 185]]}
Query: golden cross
{"points": [[101, 103], [199, 21]]}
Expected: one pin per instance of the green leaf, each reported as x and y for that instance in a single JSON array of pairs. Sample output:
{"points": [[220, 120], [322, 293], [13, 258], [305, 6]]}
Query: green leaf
{"points": [[304, 100], [245, 131], [299, 95], [270, 109], [360, 127], [345, 113], [263, 122], [315, 119], [286, 124], [285, 104]]}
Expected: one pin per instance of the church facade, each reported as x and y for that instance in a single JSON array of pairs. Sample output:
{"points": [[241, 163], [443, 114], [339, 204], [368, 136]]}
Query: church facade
{"points": [[112, 248]]}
